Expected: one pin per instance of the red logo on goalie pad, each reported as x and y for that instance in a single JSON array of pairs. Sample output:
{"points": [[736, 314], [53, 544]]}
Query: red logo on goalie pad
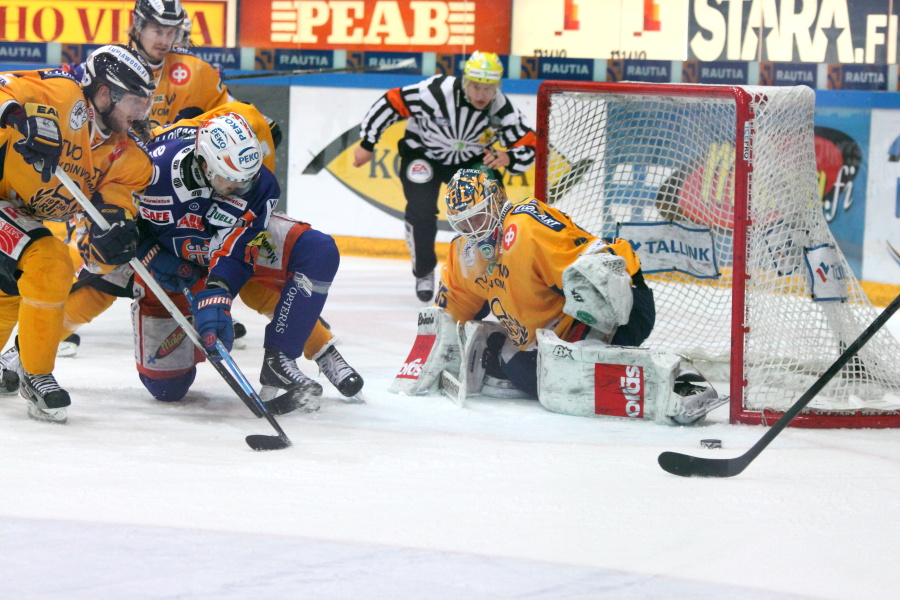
{"points": [[619, 390], [412, 368]]}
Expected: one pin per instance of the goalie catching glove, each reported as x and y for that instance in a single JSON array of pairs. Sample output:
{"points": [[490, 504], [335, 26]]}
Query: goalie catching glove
{"points": [[117, 244], [42, 143]]}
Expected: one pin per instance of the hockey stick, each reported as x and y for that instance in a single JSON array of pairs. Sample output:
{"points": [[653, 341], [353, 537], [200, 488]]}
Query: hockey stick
{"points": [[252, 400], [407, 62], [693, 466]]}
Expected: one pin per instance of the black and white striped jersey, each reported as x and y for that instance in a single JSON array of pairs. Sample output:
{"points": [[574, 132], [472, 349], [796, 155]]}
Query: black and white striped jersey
{"points": [[446, 128]]}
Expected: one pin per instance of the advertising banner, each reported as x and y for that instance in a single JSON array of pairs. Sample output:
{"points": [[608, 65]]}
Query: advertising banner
{"points": [[649, 71], [103, 21], [25, 52], [444, 26], [606, 29], [858, 77], [325, 189], [817, 31], [773, 73], [722, 72], [882, 223], [842, 141]]}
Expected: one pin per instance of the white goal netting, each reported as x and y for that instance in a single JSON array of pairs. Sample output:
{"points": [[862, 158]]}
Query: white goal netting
{"points": [[663, 166]]}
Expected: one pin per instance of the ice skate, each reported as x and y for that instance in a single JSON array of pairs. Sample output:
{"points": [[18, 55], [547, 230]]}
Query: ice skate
{"points": [[344, 377], [425, 287], [698, 400], [280, 373], [46, 400], [9, 367], [69, 346], [240, 332]]}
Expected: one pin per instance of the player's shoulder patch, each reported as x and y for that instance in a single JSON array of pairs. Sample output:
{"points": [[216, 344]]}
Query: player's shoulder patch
{"points": [[180, 50], [56, 74], [139, 142], [532, 208]]}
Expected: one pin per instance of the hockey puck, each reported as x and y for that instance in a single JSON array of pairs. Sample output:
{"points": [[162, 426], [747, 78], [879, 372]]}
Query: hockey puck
{"points": [[711, 443]]}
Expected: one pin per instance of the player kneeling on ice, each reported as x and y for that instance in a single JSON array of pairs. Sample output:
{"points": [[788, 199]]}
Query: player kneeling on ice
{"points": [[571, 310], [208, 224]]}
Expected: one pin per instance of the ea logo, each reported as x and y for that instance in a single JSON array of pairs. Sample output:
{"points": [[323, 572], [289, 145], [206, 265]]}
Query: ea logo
{"points": [[179, 74], [509, 236], [419, 171]]}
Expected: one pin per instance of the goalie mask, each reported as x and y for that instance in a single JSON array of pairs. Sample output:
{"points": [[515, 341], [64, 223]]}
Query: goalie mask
{"points": [[474, 202], [230, 153]]}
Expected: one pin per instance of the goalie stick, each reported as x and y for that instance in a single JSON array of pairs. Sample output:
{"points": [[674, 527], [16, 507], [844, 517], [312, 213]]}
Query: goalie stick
{"points": [[235, 378], [694, 466], [407, 62]]}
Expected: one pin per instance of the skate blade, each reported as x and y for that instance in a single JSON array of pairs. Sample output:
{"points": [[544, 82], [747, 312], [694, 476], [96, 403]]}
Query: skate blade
{"points": [[50, 415]]}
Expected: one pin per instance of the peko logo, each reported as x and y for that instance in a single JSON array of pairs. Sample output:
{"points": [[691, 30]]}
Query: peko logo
{"points": [[412, 368], [619, 390]]}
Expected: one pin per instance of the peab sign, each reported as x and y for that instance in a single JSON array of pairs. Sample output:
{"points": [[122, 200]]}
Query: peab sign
{"points": [[404, 25]]}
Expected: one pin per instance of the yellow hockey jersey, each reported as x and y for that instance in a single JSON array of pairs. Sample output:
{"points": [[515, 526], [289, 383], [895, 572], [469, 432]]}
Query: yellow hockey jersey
{"points": [[184, 81], [522, 286], [115, 167]]}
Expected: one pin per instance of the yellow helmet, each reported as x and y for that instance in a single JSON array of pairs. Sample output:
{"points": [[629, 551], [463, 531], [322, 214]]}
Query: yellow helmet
{"points": [[483, 67]]}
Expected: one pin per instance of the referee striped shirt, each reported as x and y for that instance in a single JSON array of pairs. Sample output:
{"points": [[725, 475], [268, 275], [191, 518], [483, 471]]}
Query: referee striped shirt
{"points": [[448, 130]]}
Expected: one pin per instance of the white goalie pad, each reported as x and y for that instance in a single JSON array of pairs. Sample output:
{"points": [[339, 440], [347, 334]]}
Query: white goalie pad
{"points": [[435, 349], [598, 291], [472, 338], [589, 378]]}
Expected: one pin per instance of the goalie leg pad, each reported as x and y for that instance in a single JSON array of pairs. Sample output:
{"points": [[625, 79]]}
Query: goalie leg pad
{"points": [[473, 339], [436, 348], [589, 378]]}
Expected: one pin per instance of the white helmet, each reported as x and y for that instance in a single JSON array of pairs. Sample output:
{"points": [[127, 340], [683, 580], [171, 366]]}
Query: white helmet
{"points": [[230, 149]]}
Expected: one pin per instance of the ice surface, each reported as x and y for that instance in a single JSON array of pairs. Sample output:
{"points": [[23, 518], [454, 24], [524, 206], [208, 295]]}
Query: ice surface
{"points": [[414, 497]]}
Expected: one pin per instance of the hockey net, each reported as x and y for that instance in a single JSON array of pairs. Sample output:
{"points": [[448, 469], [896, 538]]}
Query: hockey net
{"points": [[716, 186]]}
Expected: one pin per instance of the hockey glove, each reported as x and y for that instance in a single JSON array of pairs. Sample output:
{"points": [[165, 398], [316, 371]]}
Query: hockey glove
{"points": [[212, 317], [42, 146], [116, 245], [172, 272]]}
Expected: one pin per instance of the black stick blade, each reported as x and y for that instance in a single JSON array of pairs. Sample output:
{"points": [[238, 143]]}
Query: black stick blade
{"points": [[268, 442], [694, 466]]}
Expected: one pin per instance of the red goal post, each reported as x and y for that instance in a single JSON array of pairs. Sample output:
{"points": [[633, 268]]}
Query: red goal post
{"points": [[716, 186]]}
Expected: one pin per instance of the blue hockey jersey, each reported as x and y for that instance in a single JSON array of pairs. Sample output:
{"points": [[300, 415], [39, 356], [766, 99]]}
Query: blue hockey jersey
{"points": [[190, 219]]}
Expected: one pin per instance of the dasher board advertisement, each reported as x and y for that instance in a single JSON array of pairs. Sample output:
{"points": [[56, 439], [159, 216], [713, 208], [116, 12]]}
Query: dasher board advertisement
{"points": [[392, 25], [610, 29], [813, 31], [106, 21]]}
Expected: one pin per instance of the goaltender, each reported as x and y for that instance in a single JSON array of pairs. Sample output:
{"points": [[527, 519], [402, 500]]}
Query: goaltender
{"points": [[570, 310]]}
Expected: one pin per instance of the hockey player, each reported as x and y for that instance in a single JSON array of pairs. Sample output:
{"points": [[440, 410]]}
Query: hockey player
{"points": [[208, 223], [49, 118], [453, 123], [186, 86], [537, 272]]}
